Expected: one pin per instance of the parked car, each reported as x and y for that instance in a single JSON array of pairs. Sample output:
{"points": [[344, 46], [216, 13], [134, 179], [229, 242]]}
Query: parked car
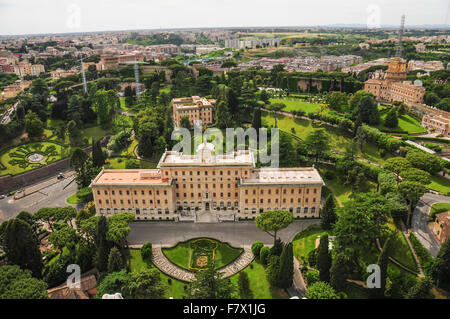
{"points": [[60, 176], [2, 196]]}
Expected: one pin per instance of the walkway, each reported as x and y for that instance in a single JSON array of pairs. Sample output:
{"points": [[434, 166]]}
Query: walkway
{"points": [[167, 267], [419, 224]]}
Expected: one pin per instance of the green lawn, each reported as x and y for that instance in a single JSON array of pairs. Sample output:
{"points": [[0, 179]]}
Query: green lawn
{"points": [[305, 241], [440, 184], [183, 253], [73, 199], [95, 132], [298, 106], [302, 128], [439, 208], [258, 282], [400, 249], [122, 103], [115, 163], [406, 123], [15, 159]]}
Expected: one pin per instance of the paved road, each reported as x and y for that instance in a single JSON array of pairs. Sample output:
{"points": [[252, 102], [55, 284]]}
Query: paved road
{"points": [[419, 223], [236, 233], [49, 193]]}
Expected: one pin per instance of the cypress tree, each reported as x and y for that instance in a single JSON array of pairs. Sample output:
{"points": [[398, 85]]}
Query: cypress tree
{"points": [[98, 158], [286, 272], [21, 246], [115, 260], [256, 119], [328, 214], [244, 286], [339, 272], [323, 259], [102, 244]]}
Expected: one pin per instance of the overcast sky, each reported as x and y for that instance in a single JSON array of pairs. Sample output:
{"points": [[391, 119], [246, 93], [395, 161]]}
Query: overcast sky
{"points": [[59, 16]]}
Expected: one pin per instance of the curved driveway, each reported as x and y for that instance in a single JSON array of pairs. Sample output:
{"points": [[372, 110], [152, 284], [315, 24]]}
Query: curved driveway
{"points": [[237, 234], [419, 223]]}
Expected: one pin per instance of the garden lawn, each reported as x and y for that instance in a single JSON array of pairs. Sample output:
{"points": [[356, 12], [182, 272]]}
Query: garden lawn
{"points": [[73, 199], [406, 123], [298, 106], [123, 106], [305, 241], [259, 285], [182, 253], [439, 208], [115, 163], [15, 159], [95, 132], [440, 184], [302, 128], [400, 249]]}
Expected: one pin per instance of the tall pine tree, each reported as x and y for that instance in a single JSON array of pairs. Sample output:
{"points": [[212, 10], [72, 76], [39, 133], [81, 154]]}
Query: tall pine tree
{"points": [[328, 214], [286, 271], [323, 259], [102, 244], [383, 261]]}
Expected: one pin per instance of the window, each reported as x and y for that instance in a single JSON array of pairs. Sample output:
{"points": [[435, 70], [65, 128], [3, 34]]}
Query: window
{"points": [[305, 210], [120, 192], [313, 210], [134, 192]]}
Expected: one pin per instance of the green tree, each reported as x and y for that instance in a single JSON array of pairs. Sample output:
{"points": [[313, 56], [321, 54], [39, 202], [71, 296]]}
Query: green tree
{"points": [[65, 236], [329, 217], [33, 125], [21, 246], [103, 246], [119, 228], [396, 165], [339, 272], [146, 251], [286, 273], [274, 221], [383, 261], [244, 286], [391, 119], [264, 255], [256, 123], [411, 191], [223, 117], [321, 290], [115, 260], [16, 283], [416, 175], [74, 132], [273, 270], [421, 290], [98, 157], [184, 122], [324, 259], [115, 282], [441, 266], [145, 284], [256, 248], [424, 161], [318, 144], [209, 284]]}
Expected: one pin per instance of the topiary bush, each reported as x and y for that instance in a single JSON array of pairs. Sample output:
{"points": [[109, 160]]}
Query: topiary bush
{"points": [[264, 254], [256, 247], [146, 251]]}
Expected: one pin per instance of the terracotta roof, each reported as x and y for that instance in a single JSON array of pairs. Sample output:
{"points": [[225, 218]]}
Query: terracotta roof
{"points": [[88, 286]]}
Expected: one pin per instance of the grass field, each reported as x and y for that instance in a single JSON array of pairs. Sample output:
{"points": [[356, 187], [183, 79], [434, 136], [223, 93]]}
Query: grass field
{"points": [[439, 208], [183, 254], [440, 184], [305, 241], [302, 128], [298, 106], [406, 123], [73, 199], [400, 250], [258, 282]]}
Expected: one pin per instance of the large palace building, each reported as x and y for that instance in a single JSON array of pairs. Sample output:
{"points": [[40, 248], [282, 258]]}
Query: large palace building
{"points": [[394, 87], [204, 182], [196, 109]]}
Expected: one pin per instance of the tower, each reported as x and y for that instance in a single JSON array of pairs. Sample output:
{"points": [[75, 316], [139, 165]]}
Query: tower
{"points": [[399, 52], [136, 76]]}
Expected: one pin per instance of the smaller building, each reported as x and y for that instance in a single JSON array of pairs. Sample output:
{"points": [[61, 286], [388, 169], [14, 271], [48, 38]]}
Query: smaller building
{"points": [[437, 124], [195, 108], [87, 290], [441, 226]]}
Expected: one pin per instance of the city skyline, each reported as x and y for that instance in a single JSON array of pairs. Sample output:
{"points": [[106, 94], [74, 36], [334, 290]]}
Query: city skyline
{"points": [[81, 16]]}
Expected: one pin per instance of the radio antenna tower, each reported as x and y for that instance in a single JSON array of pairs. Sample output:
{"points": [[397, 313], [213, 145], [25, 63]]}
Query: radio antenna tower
{"points": [[136, 76], [399, 52], [83, 75]]}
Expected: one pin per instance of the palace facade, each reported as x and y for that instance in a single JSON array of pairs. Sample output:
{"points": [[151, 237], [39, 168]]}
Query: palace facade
{"points": [[227, 183], [196, 109], [394, 87]]}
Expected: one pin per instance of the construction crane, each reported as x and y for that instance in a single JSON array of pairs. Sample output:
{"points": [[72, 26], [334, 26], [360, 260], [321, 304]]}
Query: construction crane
{"points": [[399, 52]]}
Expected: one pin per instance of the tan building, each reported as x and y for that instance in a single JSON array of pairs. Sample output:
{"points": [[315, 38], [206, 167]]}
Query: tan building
{"points": [[216, 184], [441, 226], [195, 108], [394, 87], [436, 123], [23, 68], [108, 61]]}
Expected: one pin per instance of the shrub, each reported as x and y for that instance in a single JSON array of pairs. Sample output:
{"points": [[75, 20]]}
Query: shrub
{"points": [[85, 194], [425, 259], [312, 276], [256, 247], [264, 254], [146, 251], [312, 256]]}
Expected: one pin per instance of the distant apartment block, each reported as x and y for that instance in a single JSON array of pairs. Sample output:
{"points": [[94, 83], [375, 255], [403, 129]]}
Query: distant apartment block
{"points": [[425, 65], [195, 108], [251, 43], [23, 68]]}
